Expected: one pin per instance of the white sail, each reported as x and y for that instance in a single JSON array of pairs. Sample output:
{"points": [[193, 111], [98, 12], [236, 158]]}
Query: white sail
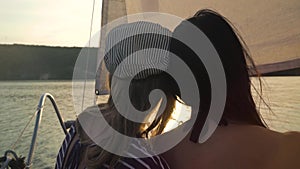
{"points": [[270, 28]]}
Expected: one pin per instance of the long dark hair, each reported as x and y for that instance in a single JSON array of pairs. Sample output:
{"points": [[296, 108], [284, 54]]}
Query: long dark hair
{"points": [[234, 54]]}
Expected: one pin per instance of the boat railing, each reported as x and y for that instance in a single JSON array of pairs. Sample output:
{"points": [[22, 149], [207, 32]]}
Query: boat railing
{"points": [[38, 115]]}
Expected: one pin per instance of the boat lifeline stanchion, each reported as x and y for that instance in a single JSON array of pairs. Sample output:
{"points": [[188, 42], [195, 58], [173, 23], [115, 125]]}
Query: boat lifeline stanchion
{"points": [[39, 113]]}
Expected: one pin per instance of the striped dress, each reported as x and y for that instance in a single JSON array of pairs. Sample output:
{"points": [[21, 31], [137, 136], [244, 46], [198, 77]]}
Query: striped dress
{"points": [[71, 143]]}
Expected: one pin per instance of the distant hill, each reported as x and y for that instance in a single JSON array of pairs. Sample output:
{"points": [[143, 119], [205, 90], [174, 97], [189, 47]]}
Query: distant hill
{"points": [[26, 62]]}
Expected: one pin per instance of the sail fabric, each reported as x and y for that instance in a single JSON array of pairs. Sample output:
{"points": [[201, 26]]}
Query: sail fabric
{"points": [[270, 28]]}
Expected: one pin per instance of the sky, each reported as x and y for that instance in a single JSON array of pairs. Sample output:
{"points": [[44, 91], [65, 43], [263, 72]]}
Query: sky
{"points": [[48, 22]]}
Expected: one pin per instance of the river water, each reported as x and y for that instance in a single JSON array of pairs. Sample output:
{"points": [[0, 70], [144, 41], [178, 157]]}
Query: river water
{"points": [[19, 99]]}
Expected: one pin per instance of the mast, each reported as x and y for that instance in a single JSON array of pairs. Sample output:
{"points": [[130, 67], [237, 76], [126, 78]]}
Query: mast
{"points": [[111, 10]]}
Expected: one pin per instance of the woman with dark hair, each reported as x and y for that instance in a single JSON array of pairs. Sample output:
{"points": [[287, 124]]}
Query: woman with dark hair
{"points": [[242, 139]]}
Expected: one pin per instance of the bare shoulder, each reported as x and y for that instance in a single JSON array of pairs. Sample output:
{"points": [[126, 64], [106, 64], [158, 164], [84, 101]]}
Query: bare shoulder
{"points": [[288, 152], [290, 143], [292, 136], [233, 145], [278, 150]]}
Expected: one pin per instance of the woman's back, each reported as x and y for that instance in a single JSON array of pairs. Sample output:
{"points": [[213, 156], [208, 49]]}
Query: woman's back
{"points": [[241, 140], [239, 146]]}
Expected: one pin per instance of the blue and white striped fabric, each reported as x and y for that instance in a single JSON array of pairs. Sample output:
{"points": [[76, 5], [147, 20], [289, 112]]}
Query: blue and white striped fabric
{"points": [[64, 148], [151, 162]]}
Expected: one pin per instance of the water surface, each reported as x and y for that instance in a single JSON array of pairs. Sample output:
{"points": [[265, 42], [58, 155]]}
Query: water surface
{"points": [[19, 99]]}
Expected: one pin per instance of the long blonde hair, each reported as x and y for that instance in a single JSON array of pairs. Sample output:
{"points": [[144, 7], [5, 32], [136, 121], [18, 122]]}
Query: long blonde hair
{"points": [[93, 155]]}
